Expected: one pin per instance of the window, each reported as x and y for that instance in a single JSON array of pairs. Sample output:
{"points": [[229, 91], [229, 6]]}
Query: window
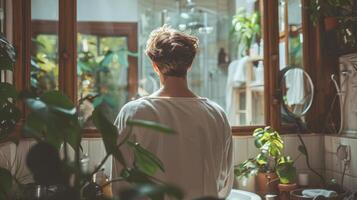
{"points": [[94, 52], [222, 71], [290, 43]]}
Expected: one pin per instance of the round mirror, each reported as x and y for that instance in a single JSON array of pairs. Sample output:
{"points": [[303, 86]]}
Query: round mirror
{"points": [[297, 91]]}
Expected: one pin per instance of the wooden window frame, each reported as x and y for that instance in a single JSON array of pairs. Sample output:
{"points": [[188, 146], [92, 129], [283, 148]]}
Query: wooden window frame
{"points": [[67, 31]]}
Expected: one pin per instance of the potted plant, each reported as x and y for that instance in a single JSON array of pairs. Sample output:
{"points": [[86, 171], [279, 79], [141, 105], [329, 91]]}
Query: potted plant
{"points": [[333, 12], [287, 175], [270, 167], [246, 29]]}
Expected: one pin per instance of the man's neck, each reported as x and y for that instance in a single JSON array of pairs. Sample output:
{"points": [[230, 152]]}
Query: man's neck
{"points": [[172, 86]]}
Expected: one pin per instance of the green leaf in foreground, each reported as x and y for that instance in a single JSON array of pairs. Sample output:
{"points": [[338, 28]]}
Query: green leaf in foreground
{"points": [[153, 191], [145, 160], [59, 102], [150, 125], [109, 134]]}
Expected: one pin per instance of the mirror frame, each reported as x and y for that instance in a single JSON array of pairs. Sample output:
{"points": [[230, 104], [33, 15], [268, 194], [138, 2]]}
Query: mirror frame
{"points": [[281, 80]]}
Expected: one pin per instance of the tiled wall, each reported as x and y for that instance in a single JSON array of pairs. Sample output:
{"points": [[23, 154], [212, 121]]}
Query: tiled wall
{"points": [[12, 157], [334, 166], [322, 150], [244, 148]]}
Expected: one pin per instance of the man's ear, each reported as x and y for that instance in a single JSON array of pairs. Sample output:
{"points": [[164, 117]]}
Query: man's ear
{"points": [[156, 68]]}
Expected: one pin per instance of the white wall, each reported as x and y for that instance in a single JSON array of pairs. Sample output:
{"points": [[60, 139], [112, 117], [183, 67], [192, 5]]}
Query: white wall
{"points": [[90, 10]]}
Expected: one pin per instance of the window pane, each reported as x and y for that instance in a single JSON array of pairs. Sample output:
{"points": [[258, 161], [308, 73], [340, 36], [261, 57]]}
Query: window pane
{"points": [[228, 68], [103, 55], [295, 29], [2, 16], [291, 41], [44, 46], [291, 37]]}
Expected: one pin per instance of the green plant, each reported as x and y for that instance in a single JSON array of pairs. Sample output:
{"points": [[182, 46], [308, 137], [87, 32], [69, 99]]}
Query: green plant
{"points": [[270, 158], [331, 8], [53, 120], [9, 113], [246, 29]]}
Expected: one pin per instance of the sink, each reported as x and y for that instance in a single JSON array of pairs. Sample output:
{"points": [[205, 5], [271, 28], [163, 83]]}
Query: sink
{"points": [[242, 195]]}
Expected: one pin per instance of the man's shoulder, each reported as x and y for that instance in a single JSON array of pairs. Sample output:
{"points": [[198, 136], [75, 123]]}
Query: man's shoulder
{"points": [[135, 105], [216, 106]]}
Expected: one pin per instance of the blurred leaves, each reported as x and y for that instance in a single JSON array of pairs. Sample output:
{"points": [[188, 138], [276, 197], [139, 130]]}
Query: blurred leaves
{"points": [[246, 28], [152, 191], [109, 134], [52, 119], [7, 54]]}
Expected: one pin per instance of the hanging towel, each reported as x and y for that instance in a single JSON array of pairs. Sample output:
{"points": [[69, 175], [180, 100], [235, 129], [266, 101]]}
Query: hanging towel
{"points": [[236, 77]]}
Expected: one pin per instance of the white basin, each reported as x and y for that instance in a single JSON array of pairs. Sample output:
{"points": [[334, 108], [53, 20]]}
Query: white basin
{"points": [[242, 195]]}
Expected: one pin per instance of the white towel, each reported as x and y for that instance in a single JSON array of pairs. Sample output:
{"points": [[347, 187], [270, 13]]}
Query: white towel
{"points": [[319, 192], [296, 87], [236, 77]]}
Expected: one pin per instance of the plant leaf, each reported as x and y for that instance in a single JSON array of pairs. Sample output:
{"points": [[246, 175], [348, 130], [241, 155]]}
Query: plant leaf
{"points": [[59, 102], [145, 160], [150, 125], [262, 159], [109, 134], [154, 191], [302, 149], [286, 173]]}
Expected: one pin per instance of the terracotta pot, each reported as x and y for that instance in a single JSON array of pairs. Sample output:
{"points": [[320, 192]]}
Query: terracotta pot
{"points": [[297, 195], [330, 23], [285, 189], [262, 186]]}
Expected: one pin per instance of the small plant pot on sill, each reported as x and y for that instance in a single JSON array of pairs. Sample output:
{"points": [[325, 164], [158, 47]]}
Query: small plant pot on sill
{"points": [[297, 195], [330, 23], [285, 189], [266, 183]]}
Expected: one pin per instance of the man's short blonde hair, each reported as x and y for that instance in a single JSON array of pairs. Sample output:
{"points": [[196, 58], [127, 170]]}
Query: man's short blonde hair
{"points": [[172, 51]]}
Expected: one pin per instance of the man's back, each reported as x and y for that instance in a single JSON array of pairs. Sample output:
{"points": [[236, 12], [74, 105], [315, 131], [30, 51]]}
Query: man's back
{"points": [[198, 158]]}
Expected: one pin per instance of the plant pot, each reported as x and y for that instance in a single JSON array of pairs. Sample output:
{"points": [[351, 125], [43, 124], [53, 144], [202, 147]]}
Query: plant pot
{"points": [[262, 186], [330, 23], [246, 183], [297, 195], [285, 189]]}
